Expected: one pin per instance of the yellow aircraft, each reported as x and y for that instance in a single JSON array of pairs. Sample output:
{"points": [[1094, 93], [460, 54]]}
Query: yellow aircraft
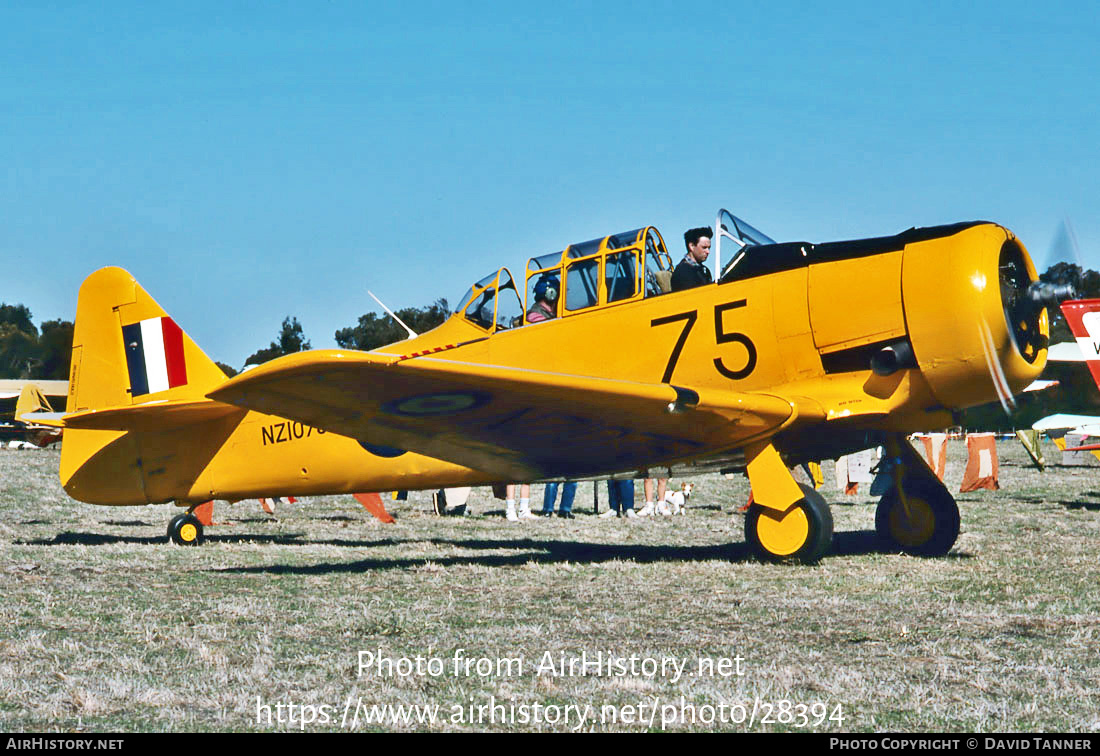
{"points": [[30, 396], [797, 352]]}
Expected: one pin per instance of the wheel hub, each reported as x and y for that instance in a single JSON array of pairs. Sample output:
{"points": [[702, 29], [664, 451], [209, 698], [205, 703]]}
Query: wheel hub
{"points": [[783, 533]]}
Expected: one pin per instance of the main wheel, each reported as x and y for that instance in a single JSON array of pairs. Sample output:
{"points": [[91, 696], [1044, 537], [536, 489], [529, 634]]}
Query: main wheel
{"points": [[801, 534], [185, 530], [931, 525]]}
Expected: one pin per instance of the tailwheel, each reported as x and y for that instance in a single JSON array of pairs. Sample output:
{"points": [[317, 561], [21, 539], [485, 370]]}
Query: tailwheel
{"points": [[185, 530], [801, 534], [928, 526]]}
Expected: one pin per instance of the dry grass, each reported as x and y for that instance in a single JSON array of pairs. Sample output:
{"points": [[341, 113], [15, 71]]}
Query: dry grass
{"points": [[103, 626]]}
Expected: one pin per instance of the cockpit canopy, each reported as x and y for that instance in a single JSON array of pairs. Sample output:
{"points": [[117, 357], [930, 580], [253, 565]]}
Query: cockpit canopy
{"points": [[605, 271], [610, 269], [493, 303]]}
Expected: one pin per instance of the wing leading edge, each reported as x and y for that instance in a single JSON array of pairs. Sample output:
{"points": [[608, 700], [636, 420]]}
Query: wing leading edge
{"points": [[522, 424]]}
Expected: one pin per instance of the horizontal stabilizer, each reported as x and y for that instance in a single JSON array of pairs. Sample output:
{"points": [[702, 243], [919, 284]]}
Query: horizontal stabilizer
{"points": [[52, 419], [153, 416]]}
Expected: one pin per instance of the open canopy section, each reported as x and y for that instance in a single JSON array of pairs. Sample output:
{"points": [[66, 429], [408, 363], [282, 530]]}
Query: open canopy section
{"points": [[492, 304], [738, 237]]}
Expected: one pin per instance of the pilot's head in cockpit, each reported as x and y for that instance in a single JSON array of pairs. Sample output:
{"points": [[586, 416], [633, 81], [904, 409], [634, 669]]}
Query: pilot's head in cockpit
{"points": [[697, 241], [546, 293], [547, 289]]}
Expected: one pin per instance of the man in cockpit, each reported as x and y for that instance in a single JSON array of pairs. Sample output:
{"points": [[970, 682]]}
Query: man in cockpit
{"points": [[691, 272]]}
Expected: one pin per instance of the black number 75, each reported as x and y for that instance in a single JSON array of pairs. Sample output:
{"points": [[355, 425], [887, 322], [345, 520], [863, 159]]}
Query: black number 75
{"points": [[720, 337]]}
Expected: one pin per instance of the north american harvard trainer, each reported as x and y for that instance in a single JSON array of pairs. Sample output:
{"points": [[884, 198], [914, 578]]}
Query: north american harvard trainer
{"points": [[796, 351]]}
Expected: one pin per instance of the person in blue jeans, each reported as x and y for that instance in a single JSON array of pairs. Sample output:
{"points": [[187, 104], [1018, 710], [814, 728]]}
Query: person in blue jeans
{"points": [[620, 496], [550, 495]]}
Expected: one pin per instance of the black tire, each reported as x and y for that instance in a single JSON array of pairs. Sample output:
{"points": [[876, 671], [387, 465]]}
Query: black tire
{"points": [[810, 534], [185, 530], [932, 529]]}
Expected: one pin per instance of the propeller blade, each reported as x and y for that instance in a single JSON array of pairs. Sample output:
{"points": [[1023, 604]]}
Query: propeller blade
{"points": [[996, 372]]}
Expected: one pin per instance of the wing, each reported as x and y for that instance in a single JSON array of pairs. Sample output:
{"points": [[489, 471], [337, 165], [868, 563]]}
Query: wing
{"points": [[522, 424]]}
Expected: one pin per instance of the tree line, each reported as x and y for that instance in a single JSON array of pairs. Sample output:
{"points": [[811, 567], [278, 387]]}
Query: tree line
{"points": [[43, 352], [29, 351]]}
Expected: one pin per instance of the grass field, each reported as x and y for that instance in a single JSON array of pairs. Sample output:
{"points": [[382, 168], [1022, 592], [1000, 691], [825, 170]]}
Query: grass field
{"points": [[104, 626]]}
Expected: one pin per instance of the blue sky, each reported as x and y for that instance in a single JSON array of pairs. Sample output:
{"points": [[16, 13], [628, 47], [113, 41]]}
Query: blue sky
{"points": [[250, 161]]}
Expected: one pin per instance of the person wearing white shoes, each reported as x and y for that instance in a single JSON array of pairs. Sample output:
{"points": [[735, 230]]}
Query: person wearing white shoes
{"points": [[649, 508], [511, 513], [545, 308]]}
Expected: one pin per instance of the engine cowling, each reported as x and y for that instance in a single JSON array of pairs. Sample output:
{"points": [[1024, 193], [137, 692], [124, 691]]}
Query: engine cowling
{"points": [[971, 315]]}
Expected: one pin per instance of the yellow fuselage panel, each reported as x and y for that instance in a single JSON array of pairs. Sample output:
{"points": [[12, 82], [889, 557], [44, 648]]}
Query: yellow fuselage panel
{"points": [[233, 459], [871, 286]]}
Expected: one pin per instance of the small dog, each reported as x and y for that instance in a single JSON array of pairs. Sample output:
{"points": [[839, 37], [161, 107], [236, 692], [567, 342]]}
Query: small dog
{"points": [[677, 501]]}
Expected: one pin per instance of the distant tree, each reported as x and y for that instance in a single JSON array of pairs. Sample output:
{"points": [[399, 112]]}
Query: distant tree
{"points": [[375, 330], [18, 352], [18, 316], [55, 349], [25, 353], [290, 340], [230, 371]]}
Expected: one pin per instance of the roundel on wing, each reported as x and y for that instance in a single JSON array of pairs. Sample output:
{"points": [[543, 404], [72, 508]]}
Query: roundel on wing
{"points": [[382, 451], [425, 405]]}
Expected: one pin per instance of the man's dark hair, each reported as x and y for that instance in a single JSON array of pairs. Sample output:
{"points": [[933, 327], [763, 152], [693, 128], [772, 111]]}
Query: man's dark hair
{"points": [[693, 235]]}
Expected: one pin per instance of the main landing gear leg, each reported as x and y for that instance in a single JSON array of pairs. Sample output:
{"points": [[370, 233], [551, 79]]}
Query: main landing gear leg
{"points": [[787, 522], [185, 529], [917, 515]]}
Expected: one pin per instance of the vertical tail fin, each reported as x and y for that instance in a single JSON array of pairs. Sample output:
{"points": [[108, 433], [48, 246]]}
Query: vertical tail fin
{"points": [[126, 350], [1083, 319], [31, 399]]}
